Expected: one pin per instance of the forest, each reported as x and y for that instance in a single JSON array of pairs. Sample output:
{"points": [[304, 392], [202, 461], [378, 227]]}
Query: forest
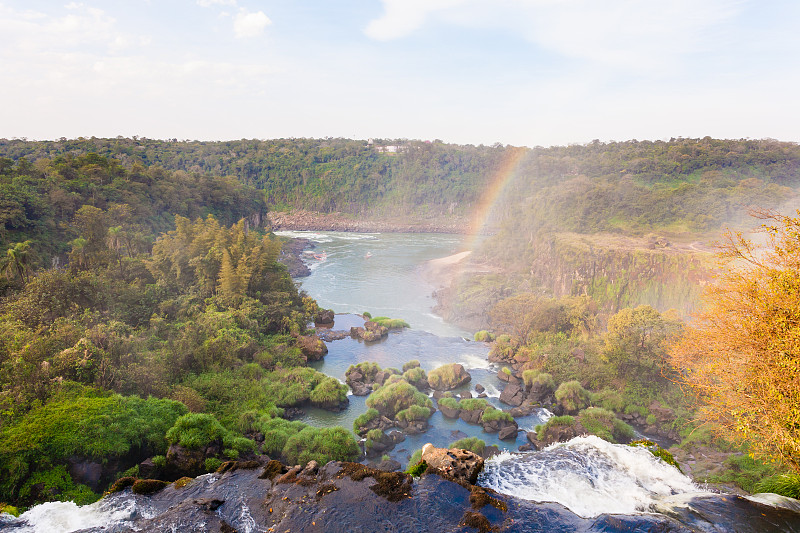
{"points": [[143, 305]]}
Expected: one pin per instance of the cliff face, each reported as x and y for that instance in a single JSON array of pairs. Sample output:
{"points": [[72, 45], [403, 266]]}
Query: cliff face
{"points": [[620, 271]]}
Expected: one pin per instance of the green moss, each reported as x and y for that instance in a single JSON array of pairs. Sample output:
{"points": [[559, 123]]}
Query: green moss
{"points": [[182, 482], [146, 487], [473, 444], [416, 376], [505, 370], [10, 509], [657, 451]]}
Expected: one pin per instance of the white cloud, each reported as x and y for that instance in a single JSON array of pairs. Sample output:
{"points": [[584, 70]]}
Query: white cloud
{"points": [[626, 33], [402, 17], [209, 3], [246, 24]]}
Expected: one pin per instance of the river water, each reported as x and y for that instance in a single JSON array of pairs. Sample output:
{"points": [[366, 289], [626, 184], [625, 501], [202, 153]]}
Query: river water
{"points": [[383, 274]]}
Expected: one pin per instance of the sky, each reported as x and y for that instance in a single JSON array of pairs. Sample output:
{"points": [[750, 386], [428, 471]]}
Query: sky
{"points": [[520, 72]]}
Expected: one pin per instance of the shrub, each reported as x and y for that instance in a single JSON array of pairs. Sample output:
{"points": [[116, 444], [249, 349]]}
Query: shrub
{"points": [[572, 396], [445, 377], [651, 419], [395, 397], [416, 376], [391, 323], [364, 419], [413, 413], [505, 370], [416, 458], [212, 463], [483, 336], [367, 315], [565, 420], [784, 484], [604, 424], [197, 430], [418, 468], [322, 445], [10, 509], [159, 460], [414, 363], [609, 399], [537, 377], [276, 432], [491, 414], [329, 392], [366, 369], [55, 484], [450, 403], [473, 404], [473, 444], [188, 397]]}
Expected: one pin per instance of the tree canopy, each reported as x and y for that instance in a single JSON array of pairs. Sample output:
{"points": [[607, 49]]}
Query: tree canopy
{"points": [[742, 355]]}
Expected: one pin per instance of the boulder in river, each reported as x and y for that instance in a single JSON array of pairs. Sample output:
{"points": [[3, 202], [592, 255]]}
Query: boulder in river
{"points": [[311, 346], [513, 394], [448, 377], [461, 465]]}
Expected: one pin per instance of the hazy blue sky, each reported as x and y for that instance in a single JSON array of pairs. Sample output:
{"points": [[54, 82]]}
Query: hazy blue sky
{"points": [[524, 72]]}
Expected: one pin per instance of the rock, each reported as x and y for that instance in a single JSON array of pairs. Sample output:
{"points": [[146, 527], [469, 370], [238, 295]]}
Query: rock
{"points": [[483, 395], [311, 346], [293, 413], [189, 462], [448, 412], [479, 388], [513, 394], [664, 415], [357, 332], [461, 465], [324, 317], [523, 410], [388, 465], [448, 377], [86, 472], [471, 417], [360, 389], [508, 432], [465, 395], [503, 376], [527, 448], [311, 469], [539, 391]]}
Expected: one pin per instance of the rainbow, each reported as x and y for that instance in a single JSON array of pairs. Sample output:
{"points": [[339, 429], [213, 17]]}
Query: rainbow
{"points": [[500, 179]]}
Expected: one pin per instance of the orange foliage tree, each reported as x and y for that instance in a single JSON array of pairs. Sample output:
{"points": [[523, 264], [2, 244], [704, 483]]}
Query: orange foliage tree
{"points": [[742, 354]]}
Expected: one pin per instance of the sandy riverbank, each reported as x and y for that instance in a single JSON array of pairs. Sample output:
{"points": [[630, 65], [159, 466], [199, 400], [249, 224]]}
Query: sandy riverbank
{"points": [[443, 270], [313, 221]]}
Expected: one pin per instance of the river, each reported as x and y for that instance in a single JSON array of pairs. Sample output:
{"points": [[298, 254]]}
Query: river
{"points": [[383, 274]]}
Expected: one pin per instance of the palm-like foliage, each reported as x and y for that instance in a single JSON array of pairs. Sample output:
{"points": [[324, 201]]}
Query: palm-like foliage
{"points": [[17, 262]]}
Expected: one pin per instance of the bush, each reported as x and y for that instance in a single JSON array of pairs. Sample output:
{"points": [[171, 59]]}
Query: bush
{"points": [[491, 414], [784, 484], [565, 420], [414, 363], [159, 460], [363, 419], [572, 396], [416, 376], [211, 464], [81, 422], [450, 403], [55, 484], [322, 445], [483, 336], [414, 413], [198, 430], [473, 444], [609, 399], [539, 378], [445, 377], [367, 369], [391, 323], [395, 397], [416, 459], [473, 404], [276, 433], [604, 424], [329, 392]]}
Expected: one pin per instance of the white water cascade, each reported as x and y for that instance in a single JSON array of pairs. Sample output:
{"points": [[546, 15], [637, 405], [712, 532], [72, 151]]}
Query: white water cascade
{"points": [[587, 475]]}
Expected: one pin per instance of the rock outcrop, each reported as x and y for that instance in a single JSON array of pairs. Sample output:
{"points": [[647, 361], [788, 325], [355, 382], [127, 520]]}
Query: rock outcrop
{"points": [[461, 465]]}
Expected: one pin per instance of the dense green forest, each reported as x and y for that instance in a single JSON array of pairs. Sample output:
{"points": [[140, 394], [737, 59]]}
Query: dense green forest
{"points": [[143, 306], [119, 339]]}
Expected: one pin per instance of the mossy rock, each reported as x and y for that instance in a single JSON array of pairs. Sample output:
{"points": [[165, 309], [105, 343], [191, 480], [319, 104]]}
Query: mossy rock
{"points": [[146, 487], [448, 377]]}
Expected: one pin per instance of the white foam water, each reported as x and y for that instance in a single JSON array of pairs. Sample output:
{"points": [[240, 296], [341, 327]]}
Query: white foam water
{"points": [[587, 475], [63, 517]]}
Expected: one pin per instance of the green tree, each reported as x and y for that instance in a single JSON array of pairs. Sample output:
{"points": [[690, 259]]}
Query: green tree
{"points": [[17, 262]]}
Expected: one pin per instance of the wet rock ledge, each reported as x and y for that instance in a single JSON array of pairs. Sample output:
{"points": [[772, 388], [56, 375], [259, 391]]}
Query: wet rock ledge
{"points": [[346, 497]]}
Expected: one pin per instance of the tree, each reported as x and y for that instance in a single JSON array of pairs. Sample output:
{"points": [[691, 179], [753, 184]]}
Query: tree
{"points": [[17, 262], [742, 355]]}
